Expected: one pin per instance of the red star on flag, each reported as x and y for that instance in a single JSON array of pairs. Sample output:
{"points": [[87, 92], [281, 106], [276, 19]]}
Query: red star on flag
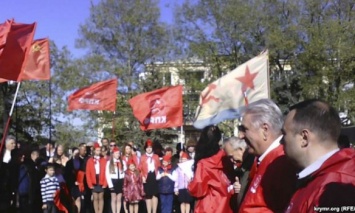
{"points": [[247, 80]]}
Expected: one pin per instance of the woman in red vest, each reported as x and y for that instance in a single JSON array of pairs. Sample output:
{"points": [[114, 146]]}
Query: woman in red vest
{"points": [[149, 165], [96, 178], [210, 185]]}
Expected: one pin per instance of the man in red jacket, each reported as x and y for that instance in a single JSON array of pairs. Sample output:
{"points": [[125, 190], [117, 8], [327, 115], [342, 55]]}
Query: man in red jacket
{"points": [[327, 180], [274, 179]]}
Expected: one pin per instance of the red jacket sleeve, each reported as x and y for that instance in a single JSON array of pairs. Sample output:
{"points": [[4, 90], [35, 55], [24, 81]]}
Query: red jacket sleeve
{"points": [[199, 185], [80, 180], [158, 164], [88, 173], [103, 163], [141, 166]]}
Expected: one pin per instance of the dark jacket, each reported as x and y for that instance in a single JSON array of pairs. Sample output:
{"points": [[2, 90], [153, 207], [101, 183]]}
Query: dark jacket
{"points": [[8, 180], [165, 184], [29, 178]]}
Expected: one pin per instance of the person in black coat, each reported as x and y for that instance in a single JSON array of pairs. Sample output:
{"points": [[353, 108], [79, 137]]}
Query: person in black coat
{"points": [[8, 175], [29, 188]]}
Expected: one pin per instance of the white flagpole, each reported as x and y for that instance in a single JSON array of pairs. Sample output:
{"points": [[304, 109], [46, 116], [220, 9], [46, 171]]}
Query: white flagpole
{"points": [[14, 101], [181, 137], [6, 129]]}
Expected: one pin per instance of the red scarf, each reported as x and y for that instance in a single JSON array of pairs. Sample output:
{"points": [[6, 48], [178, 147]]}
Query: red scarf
{"points": [[119, 165], [167, 168], [96, 160]]}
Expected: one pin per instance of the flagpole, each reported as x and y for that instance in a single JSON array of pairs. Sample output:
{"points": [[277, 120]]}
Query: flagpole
{"points": [[181, 136], [9, 118], [50, 110], [113, 126]]}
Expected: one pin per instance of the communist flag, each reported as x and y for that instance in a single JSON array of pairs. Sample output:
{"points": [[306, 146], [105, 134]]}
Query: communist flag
{"points": [[158, 109], [38, 61], [14, 54], [99, 96]]}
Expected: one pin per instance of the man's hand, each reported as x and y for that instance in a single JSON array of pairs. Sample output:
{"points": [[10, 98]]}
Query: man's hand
{"points": [[236, 185], [44, 206]]}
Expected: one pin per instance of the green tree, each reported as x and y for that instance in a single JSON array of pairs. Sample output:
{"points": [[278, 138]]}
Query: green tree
{"points": [[310, 44], [122, 37]]}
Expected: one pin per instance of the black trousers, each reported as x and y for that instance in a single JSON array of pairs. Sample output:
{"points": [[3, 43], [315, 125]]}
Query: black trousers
{"points": [[51, 208]]}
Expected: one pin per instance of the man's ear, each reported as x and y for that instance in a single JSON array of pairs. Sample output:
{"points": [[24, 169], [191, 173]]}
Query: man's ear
{"points": [[266, 130], [305, 137]]}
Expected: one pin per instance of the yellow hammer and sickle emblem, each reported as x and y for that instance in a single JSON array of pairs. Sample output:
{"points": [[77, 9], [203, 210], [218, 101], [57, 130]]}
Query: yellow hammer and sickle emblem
{"points": [[36, 48]]}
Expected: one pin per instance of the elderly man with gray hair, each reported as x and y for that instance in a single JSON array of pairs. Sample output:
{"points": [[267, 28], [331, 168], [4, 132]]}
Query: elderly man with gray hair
{"points": [[275, 178], [236, 149]]}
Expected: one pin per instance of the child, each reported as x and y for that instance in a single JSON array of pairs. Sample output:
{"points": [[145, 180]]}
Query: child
{"points": [[49, 187], [149, 165], [166, 180], [132, 186], [181, 186], [114, 176], [127, 153], [96, 178]]}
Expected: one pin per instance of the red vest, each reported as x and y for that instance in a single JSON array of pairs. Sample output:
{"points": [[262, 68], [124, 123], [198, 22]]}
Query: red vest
{"points": [[332, 185], [272, 185], [210, 186], [143, 166], [91, 173]]}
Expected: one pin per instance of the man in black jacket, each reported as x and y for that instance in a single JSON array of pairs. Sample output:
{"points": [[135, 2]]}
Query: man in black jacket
{"points": [[8, 175], [29, 188]]}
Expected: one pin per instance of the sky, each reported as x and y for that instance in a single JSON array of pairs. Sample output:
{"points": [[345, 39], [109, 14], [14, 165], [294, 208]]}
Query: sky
{"points": [[59, 20]]}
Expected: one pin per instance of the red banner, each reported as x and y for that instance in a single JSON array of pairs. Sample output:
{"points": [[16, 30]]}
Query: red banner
{"points": [[158, 109], [14, 54], [4, 30], [99, 96], [38, 61]]}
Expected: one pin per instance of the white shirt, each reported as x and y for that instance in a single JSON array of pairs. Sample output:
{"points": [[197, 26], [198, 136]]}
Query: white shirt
{"points": [[192, 155], [316, 165], [110, 176], [7, 156], [97, 165], [50, 154], [173, 176], [150, 162], [273, 146]]}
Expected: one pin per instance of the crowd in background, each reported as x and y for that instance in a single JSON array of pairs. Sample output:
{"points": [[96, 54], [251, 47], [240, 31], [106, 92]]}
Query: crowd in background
{"points": [[93, 177]]}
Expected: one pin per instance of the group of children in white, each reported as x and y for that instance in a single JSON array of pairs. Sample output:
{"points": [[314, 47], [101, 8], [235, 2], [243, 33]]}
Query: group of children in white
{"points": [[132, 178]]}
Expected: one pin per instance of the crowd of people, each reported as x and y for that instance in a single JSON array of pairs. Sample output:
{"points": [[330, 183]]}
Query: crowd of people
{"points": [[292, 163]]}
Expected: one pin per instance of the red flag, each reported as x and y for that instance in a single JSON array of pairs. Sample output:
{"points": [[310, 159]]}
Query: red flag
{"points": [[99, 96], [38, 61], [4, 30], [14, 54], [160, 108]]}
